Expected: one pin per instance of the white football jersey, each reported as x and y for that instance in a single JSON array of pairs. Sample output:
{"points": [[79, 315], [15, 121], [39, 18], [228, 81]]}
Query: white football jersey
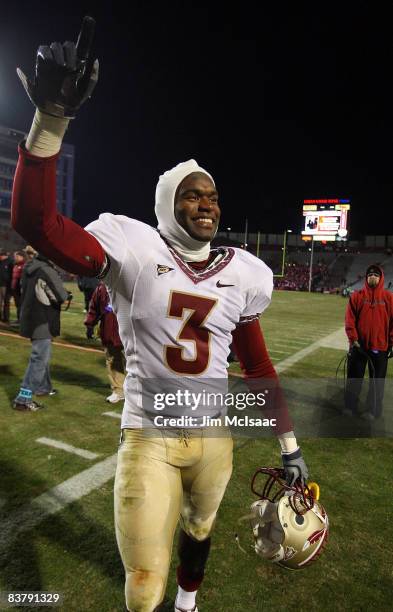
{"points": [[173, 321]]}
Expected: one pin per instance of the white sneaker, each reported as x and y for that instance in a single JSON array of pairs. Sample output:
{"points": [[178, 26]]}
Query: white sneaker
{"points": [[194, 609], [114, 398]]}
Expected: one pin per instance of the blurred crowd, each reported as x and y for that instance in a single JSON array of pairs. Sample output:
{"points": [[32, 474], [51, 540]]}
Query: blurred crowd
{"points": [[296, 276], [11, 270]]}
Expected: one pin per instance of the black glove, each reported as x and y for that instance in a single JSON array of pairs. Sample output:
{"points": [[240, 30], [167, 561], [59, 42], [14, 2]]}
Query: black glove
{"points": [[70, 297], [89, 332], [390, 352], [294, 466], [64, 75], [355, 346]]}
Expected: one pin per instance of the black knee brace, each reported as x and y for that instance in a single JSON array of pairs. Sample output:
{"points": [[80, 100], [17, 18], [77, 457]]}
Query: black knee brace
{"points": [[193, 555]]}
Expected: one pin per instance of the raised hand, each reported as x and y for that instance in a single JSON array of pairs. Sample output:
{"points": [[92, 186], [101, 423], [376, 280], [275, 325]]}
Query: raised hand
{"points": [[65, 75]]}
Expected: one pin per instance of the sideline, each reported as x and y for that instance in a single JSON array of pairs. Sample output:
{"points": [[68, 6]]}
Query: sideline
{"points": [[62, 344]]}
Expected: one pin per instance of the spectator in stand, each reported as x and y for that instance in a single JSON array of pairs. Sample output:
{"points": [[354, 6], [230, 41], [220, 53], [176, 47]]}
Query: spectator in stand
{"points": [[100, 310], [297, 276], [87, 284], [19, 262], [42, 296], [6, 264]]}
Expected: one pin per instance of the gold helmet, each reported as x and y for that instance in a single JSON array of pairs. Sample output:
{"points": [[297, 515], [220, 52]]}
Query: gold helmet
{"points": [[290, 526]]}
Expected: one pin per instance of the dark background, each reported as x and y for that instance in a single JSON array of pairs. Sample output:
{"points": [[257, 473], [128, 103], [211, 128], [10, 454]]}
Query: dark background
{"points": [[279, 104]]}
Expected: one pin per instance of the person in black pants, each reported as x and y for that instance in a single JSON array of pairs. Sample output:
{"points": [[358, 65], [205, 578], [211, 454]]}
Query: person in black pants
{"points": [[377, 362], [369, 327]]}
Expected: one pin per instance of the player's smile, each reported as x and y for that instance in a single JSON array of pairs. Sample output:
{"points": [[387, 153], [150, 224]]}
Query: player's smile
{"points": [[196, 206]]}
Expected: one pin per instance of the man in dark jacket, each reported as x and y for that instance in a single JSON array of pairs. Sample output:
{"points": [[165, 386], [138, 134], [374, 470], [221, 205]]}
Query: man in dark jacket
{"points": [[369, 327], [42, 295], [100, 310]]}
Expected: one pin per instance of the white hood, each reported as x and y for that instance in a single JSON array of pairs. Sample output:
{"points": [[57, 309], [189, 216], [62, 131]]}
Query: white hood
{"points": [[189, 248]]}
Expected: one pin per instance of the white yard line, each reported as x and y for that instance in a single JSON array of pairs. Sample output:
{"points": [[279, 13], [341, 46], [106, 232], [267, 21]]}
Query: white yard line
{"points": [[68, 448], [287, 363], [338, 340], [115, 415], [311, 336], [32, 514], [330, 341], [293, 343]]}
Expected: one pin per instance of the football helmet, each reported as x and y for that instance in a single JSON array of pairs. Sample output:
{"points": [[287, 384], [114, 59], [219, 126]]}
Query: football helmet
{"points": [[290, 526]]}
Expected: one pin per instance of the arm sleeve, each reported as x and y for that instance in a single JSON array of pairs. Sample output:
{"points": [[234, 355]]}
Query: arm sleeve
{"points": [[35, 218], [350, 321], [250, 347]]}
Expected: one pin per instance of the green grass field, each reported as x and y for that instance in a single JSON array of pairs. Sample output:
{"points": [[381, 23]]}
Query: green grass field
{"points": [[72, 549]]}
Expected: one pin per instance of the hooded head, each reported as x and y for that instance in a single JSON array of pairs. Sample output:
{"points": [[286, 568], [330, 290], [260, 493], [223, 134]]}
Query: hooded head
{"points": [[187, 209], [374, 276]]}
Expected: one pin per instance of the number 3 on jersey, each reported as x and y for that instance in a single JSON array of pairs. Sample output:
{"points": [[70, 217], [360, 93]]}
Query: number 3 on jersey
{"points": [[192, 330]]}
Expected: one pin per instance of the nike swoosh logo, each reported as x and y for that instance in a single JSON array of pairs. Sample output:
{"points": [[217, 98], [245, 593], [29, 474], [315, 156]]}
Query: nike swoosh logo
{"points": [[218, 284]]}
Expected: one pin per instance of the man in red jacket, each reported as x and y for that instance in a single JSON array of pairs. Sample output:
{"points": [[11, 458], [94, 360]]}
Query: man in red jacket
{"points": [[369, 327], [100, 310]]}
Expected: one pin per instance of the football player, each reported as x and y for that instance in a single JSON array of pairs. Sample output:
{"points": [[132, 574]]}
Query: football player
{"points": [[179, 304]]}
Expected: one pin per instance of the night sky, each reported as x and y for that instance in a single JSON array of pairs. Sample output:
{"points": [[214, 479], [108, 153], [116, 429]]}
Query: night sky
{"points": [[280, 105]]}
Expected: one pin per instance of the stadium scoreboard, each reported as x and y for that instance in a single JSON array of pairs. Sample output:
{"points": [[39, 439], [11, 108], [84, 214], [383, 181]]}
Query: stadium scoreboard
{"points": [[325, 219]]}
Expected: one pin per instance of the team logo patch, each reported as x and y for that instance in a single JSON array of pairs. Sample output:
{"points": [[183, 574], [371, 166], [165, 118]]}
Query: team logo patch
{"points": [[313, 538], [289, 552], [163, 269]]}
